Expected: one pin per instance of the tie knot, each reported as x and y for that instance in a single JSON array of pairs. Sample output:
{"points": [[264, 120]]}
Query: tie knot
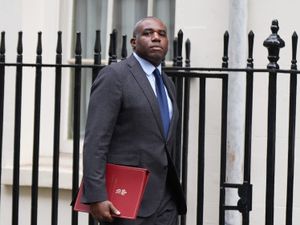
{"points": [[156, 73]]}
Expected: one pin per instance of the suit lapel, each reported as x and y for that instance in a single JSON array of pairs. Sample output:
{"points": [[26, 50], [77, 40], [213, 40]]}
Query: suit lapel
{"points": [[143, 82], [174, 104]]}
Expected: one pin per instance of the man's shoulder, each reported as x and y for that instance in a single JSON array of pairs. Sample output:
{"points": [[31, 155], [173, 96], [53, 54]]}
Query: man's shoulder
{"points": [[118, 70], [128, 62]]}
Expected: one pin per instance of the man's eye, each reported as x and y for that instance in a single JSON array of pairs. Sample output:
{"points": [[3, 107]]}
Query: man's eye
{"points": [[148, 33], [162, 33]]}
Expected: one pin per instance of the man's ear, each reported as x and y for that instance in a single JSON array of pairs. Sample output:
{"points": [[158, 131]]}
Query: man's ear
{"points": [[133, 43]]}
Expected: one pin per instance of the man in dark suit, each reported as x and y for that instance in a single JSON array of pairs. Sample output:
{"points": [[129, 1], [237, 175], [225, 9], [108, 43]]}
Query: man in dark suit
{"points": [[126, 125]]}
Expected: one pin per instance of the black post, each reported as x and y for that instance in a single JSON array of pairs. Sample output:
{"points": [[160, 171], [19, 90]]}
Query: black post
{"points": [[175, 50], [97, 54], [110, 49], [223, 133], [225, 50], [179, 48], [17, 135], [273, 43], [201, 152], [124, 47], [248, 129], [36, 132], [57, 102], [187, 53], [2, 79], [179, 88], [114, 46], [292, 123], [76, 123]]}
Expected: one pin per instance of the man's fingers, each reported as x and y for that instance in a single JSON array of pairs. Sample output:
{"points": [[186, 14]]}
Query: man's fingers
{"points": [[114, 210], [102, 211]]}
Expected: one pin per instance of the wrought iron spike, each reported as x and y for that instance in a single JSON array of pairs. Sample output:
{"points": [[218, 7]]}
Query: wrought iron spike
{"points": [[250, 49], [59, 43], [250, 43], [187, 53], [2, 45], [39, 44], [179, 48], [20, 43], [175, 51], [97, 46], [110, 50], [78, 44], [97, 49], [225, 50], [124, 47], [294, 50]]}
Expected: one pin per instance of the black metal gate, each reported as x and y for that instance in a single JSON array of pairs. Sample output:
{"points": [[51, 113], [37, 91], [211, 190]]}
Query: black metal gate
{"points": [[182, 76]]}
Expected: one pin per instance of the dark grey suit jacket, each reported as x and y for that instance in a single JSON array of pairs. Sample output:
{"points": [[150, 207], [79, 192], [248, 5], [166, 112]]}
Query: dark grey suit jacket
{"points": [[124, 127]]}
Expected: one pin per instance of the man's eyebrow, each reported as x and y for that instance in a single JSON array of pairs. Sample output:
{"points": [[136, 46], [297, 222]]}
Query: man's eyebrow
{"points": [[151, 29]]}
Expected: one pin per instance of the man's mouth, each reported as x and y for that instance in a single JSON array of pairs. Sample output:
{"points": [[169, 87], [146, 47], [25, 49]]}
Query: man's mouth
{"points": [[156, 47]]}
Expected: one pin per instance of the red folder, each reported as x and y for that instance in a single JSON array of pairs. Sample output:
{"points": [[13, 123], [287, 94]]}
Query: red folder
{"points": [[125, 188]]}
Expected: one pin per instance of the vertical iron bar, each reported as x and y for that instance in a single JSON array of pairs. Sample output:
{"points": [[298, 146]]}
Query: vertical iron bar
{"points": [[188, 53], [185, 130], [273, 43], [36, 132], [76, 125], [179, 45], [292, 122], [110, 49], [114, 46], [56, 135], [2, 80], [248, 121], [124, 47], [97, 54], [175, 54], [179, 89], [271, 148], [223, 133], [17, 134], [223, 150], [225, 50], [180, 93], [97, 61], [201, 153]]}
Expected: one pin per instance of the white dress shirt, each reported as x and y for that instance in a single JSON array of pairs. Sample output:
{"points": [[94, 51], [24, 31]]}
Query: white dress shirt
{"points": [[148, 69]]}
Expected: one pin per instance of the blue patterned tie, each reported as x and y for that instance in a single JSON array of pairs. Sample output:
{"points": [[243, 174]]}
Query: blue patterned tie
{"points": [[162, 101]]}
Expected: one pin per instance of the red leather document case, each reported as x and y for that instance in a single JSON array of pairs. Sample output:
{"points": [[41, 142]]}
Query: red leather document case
{"points": [[125, 188]]}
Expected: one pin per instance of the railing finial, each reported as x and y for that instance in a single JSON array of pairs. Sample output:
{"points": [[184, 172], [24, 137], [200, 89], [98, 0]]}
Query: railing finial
{"points": [[294, 50], [59, 43], [124, 47], [225, 50], [175, 51], [179, 47], [187, 53], [273, 43], [2, 45]]}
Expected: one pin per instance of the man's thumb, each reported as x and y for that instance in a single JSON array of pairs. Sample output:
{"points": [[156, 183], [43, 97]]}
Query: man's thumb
{"points": [[115, 210]]}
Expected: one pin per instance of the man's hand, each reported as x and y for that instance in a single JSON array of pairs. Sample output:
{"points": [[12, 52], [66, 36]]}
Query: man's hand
{"points": [[103, 211]]}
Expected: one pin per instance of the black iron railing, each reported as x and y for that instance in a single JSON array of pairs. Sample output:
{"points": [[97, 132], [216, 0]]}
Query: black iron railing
{"points": [[182, 76]]}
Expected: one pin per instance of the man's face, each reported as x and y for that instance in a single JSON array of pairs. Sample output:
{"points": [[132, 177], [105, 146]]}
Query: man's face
{"points": [[151, 40]]}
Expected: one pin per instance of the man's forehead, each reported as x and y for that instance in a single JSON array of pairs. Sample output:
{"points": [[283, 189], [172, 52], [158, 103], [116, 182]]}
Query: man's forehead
{"points": [[149, 24]]}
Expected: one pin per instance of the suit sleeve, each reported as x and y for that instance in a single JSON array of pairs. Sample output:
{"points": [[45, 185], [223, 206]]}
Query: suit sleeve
{"points": [[103, 110]]}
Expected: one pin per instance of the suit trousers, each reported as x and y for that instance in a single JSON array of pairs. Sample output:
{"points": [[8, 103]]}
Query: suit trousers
{"points": [[166, 214]]}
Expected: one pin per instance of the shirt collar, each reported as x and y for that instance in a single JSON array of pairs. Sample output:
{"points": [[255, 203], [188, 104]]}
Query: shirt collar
{"points": [[146, 65]]}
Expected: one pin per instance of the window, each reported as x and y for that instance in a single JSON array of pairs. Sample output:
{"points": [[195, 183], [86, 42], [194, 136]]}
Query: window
{"points": [[106, 15]]}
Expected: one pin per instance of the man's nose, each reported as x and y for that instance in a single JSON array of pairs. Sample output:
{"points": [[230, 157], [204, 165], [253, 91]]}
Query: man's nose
{"points": [[156, 36]]}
